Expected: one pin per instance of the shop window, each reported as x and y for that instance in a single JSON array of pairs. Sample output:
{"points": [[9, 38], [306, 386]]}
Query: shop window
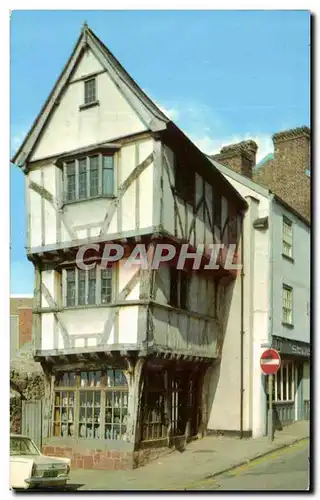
{"points": [[284, 383], [154, 423], [91, 405]]}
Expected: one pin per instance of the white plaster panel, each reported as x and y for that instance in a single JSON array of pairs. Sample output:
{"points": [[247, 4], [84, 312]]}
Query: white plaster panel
{"points": [[87, 65], [145, 149], [69, 128], [127, 162], [47, 278], [128, 325], [146, 197], [47, 329], [128, 209], [124, 276]]}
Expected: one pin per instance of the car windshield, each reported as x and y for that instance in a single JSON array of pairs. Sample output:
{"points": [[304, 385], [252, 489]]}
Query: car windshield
{"points": [[22, 446]]}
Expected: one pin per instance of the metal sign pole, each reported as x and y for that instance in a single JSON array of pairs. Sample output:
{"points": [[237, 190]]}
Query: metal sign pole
{"points": [[270, 410]]}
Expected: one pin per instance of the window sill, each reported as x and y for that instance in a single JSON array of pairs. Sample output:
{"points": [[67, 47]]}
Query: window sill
{"points": [[288, 325], [97, 197], [89, 105], [285, 256]]}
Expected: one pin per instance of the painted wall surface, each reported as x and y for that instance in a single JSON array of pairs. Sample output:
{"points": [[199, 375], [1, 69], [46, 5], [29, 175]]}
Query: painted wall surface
{"points": [[257, 314], [51, 222], [306, 380], [224, 383], [71, 128], [294, 273]]}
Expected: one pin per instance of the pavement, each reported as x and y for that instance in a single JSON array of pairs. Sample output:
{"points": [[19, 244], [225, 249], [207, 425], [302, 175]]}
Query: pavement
{"points": [[202, 460]]}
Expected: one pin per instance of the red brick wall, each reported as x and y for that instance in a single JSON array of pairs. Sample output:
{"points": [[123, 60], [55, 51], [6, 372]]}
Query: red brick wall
{"points": [[93, 459], [107, 460], [25, 325]]}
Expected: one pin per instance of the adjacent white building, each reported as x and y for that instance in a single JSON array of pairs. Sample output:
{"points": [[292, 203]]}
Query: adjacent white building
{"points": [[276, 309]]}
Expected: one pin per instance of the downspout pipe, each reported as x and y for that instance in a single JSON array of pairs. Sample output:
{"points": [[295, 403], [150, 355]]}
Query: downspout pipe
{"points": [[241, 327]]}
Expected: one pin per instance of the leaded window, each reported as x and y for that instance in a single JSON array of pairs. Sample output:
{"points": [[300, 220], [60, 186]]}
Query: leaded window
{"points": [[71, 181], [89, 177], [94, 175], [88, 287]]}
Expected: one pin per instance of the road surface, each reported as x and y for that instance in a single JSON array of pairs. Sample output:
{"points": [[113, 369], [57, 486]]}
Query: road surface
{"points": [[286, 469]]}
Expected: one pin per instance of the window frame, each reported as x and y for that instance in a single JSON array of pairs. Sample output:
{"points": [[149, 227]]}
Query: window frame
{"points": [[87, 81], [287, 319], [78, 301], [76, 163], [287, 237], [103, 388]]}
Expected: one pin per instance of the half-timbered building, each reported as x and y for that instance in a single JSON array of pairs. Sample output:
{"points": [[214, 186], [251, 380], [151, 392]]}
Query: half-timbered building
{"points": [[125, 350]]}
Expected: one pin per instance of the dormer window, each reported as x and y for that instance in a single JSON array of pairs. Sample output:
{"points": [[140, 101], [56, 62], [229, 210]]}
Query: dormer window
{"points": [[90, 91]]}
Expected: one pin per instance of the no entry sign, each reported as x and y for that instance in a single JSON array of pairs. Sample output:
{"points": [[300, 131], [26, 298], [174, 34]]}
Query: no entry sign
{"points": [[270, 362]]}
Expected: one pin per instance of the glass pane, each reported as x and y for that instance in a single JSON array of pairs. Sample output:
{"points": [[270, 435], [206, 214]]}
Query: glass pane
{"points": [[92, 287], [83, 178], [71, 181], [94, 175], [108, 175], [106, 286], [81, 287]]}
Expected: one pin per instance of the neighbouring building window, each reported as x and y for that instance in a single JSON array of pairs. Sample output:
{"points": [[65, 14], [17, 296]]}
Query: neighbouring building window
{"points": [[90, 88], [284, 382], [89, 177], [88, 287], [287, 237], [184, 181], [91, 405], [179, 288], [287, 304]]}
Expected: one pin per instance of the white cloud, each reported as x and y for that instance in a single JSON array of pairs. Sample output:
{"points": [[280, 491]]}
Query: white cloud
{"points": [[210, 145]]}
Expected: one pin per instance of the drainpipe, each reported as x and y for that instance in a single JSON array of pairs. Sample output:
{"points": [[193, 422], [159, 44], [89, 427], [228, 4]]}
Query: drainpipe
{"points": [[241, 327]]}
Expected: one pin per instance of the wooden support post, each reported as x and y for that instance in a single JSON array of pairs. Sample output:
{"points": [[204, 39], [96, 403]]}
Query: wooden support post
{"points": [[133, 376]]}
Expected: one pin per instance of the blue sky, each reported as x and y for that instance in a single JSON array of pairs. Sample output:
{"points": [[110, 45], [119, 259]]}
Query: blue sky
{"points": [[222, 76]]}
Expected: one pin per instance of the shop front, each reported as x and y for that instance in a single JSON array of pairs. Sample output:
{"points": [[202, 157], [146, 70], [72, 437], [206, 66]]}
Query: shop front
{"points": [[291, 390]]}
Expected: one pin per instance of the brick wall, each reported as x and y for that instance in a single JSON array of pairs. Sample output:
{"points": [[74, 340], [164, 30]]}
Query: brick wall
{"points": [[107, 459], [93, 459], [285, 175], [25, 325]]}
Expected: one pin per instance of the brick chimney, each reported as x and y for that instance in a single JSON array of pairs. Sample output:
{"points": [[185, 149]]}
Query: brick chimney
{"points": [[240, 157], [293, 145]]}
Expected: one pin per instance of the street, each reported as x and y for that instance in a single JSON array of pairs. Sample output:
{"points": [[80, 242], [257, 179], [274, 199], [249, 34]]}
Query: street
{"points": [[286, 469]]}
